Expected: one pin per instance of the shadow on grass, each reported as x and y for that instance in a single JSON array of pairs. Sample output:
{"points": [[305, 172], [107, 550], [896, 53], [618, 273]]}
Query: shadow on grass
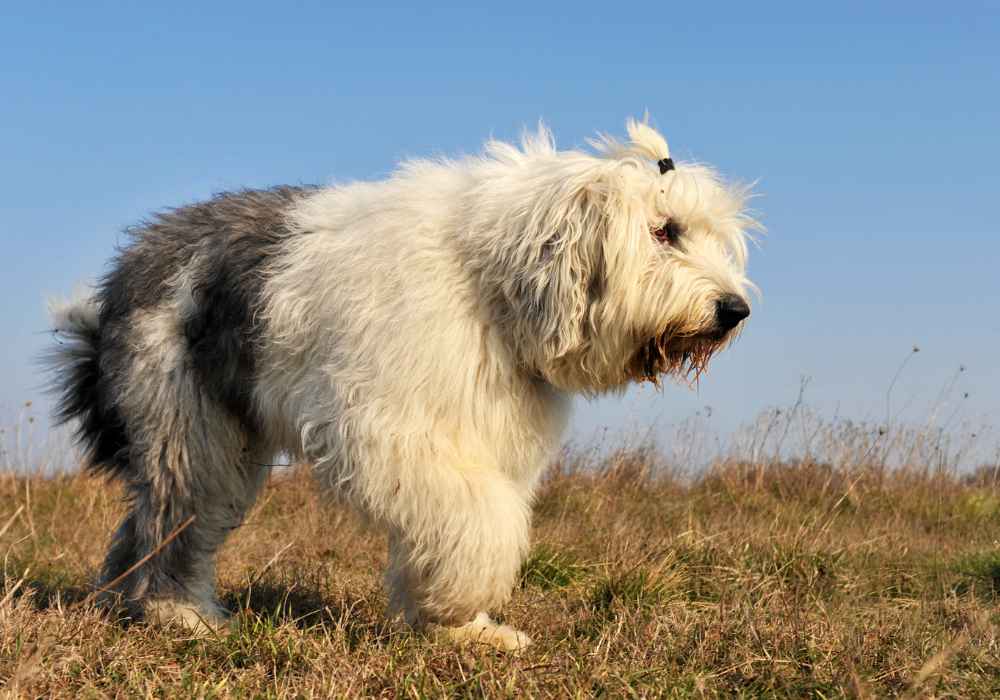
{"points": [[45, 587], [262, 605], [269, 604], [279, 604]]}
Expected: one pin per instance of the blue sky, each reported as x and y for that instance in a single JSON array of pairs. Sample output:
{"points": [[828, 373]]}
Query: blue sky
{"points": [[872, 129]]}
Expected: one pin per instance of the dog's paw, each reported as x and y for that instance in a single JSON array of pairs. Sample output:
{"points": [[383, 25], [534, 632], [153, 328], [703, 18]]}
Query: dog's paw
{"points": [[195, 619], [483, 630]]}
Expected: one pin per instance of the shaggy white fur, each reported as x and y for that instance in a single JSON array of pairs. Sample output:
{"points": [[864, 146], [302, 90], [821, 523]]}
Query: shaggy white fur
{"points": [[425, 333], [417, 339]]}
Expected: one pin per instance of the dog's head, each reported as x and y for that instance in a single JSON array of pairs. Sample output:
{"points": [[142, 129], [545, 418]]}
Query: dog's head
{"points": [[616, 266]]}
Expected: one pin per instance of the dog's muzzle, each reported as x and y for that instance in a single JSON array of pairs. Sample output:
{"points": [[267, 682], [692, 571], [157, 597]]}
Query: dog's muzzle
{"points": [[730, 310], [685, 354]]}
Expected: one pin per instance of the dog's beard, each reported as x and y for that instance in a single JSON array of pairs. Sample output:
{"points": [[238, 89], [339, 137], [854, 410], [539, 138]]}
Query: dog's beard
{"points": [[681, 356]]}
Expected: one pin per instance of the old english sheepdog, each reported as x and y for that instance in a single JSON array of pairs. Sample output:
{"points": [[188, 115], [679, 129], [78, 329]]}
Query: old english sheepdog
{"points": [[417, 339]]}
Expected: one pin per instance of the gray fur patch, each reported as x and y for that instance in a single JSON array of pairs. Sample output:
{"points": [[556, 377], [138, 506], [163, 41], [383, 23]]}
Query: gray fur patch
{"points": [[219, 247], [161, 381]]}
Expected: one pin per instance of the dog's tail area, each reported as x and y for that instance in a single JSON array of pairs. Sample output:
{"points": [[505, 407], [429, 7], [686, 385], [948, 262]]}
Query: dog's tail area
{"points": [[80, 389]]}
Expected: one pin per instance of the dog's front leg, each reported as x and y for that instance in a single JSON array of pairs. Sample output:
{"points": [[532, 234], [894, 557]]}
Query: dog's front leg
{"points": [[457, 540]]}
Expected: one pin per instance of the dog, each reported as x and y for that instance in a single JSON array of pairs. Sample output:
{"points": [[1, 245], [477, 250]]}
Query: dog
{"points": [[418, 340]]}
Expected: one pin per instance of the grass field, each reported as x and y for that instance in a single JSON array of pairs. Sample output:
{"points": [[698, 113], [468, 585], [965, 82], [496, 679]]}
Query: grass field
{"points": [[757, 578]]}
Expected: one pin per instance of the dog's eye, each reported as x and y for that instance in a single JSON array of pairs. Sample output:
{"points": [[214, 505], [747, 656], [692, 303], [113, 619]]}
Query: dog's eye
{"points": [[669, 233]]}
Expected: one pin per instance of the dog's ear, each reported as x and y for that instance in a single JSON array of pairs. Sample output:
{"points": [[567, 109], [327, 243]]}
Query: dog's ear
{"points": [[571, 257], [560, 270]]}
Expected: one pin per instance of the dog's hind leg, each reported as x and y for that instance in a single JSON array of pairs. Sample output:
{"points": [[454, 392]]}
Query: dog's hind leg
{"points": [[457, 540], [179, 524], [193, 471]]}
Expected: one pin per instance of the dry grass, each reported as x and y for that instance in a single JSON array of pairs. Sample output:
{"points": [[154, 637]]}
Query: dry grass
{"points": [[778, 579]]}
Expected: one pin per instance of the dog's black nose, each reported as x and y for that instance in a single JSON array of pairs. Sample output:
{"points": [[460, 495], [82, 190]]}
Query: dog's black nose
{"points": [[730, 310]]}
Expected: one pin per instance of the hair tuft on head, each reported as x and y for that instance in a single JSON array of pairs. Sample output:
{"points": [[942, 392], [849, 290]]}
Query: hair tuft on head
{"points": [[644, 142]]}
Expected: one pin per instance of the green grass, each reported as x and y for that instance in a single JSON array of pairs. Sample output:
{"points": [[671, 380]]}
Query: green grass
{"points": [[549, 569]]}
